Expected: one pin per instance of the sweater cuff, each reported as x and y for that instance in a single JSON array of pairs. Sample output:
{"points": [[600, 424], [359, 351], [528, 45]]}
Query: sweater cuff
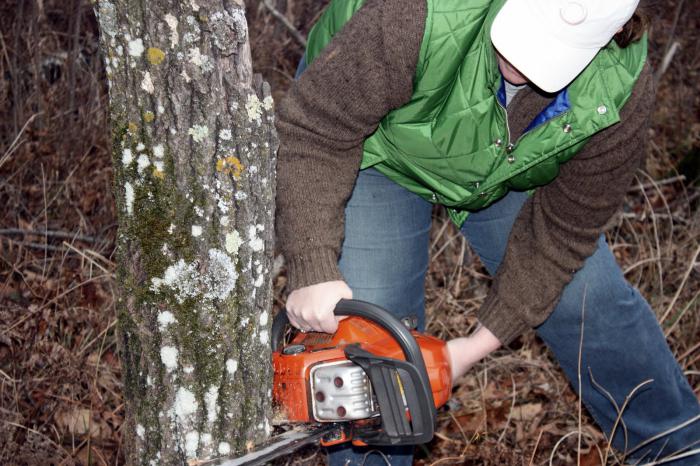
{"points": [[312, 268], [504, 323]]}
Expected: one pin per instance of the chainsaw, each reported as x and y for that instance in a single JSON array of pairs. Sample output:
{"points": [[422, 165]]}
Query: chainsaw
{"points": [[375, 381]]}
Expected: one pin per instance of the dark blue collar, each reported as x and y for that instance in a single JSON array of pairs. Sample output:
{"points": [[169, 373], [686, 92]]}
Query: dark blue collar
{"points": [[556, 107]]}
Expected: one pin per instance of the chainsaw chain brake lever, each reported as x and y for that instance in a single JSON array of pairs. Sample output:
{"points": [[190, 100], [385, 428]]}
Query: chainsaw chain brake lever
{"points": [[393, 380]]}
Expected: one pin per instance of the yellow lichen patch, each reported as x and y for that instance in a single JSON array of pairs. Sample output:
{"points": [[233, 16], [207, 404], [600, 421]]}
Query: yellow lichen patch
{"points": [[148, 116], [230, 166], [155, 56], [133, 127], [158, 174]]}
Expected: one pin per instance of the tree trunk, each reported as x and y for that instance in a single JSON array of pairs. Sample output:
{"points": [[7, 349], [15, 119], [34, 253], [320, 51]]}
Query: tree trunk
{"points": [[194, 154]]}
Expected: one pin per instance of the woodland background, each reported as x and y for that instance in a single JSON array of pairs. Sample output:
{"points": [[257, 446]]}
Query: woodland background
{"points": [[60, 399]]}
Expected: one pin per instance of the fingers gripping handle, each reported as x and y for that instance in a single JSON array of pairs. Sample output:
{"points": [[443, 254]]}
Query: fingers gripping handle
{"points": [[369, 311]]}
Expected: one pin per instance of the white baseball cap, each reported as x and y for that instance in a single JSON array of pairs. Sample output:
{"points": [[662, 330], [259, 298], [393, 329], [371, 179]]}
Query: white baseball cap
{"points": [[552, 41]]}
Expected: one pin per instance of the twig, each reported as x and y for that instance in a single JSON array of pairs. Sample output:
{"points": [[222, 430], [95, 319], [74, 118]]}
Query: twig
{"points": [[680, 315], [459, 426], [537, 443], [510, 413], [671, 35], [654, 184], [680, 288], [14, 145], [89, 259], [101, 334], [380, 453], [449, 460], [283, 19], [668, 58], [689, 352], [677, 452], [580, 384], [639, 263], [556, 446], [656, 239], [51, 233], [9, 379], [445, 438], [628, 398], [674, 458], [610, 398], [438, 235], [42, 247], [664, 433]]}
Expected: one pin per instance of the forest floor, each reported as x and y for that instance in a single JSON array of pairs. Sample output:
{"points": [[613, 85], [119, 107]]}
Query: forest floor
{"points": [[60, 380]]}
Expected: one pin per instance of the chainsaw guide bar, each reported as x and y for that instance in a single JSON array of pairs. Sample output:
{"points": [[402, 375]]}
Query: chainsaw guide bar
{"points": [[278, 446]]}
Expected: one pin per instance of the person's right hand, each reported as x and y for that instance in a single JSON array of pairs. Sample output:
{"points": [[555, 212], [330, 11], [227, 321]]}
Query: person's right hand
{"points": [[311, 308]]}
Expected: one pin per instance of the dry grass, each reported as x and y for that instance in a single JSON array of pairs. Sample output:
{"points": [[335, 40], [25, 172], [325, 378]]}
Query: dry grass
{"points": [[60, 400]]}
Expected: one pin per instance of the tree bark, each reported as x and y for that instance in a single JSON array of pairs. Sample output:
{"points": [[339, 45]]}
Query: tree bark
{"points": [[194, 155]]}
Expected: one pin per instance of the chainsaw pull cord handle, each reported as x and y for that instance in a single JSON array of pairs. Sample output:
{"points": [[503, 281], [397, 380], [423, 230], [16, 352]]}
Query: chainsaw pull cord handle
{"points": [[371, 312]]}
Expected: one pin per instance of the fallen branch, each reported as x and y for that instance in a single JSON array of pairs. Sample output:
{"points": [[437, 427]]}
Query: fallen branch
{"points": [[51, 233]]}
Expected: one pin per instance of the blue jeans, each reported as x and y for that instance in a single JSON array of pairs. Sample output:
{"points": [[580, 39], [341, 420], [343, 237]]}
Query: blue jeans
{"points": [[385, 258]]}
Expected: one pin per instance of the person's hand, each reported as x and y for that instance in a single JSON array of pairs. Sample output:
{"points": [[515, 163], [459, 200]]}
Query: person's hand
{"points": [[466, 351], [311, 308]]}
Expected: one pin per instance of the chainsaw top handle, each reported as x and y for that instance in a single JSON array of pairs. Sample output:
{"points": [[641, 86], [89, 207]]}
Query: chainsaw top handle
{"points": [[369, 311]]}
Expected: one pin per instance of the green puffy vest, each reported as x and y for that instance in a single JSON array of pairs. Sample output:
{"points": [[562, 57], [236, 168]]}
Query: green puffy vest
{"points": [[450, 144]]}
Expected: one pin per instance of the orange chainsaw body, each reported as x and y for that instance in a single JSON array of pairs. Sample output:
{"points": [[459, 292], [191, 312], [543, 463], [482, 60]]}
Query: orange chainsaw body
{"points": [[291, 388]]}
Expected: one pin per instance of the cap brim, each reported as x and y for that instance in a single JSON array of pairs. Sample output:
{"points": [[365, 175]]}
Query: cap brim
{"points": [[522, 38]]}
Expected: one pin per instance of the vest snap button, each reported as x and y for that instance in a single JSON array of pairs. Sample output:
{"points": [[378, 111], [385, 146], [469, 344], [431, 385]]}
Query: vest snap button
{"points": [[511, 158], [602, 110], [498, 142], [510, 148], [567, 128], [434, 197], [482, 194]]}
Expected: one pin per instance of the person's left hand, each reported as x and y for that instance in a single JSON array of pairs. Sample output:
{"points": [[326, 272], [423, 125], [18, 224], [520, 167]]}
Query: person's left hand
{"points": [[466, 351]]}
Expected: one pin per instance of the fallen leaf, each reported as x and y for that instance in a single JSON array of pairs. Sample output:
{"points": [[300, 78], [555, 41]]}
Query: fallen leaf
{"points": [[526, 412], [592, 458], [77, 422]]}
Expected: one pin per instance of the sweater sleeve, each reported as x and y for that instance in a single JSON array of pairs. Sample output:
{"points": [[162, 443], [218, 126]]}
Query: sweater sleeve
{"points": [[558, 227], [365, 71]]}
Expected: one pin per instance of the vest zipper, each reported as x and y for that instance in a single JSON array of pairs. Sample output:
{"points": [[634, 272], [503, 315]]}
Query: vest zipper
{"points": [[510, 146], [505, 113], [515, 143]]}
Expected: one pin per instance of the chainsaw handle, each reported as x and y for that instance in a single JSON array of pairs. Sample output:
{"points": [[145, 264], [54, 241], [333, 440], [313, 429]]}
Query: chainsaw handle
{"points": [[371, 312]]}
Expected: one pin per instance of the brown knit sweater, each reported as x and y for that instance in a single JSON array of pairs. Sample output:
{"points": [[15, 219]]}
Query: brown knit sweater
{"points": [[365, 72]]}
